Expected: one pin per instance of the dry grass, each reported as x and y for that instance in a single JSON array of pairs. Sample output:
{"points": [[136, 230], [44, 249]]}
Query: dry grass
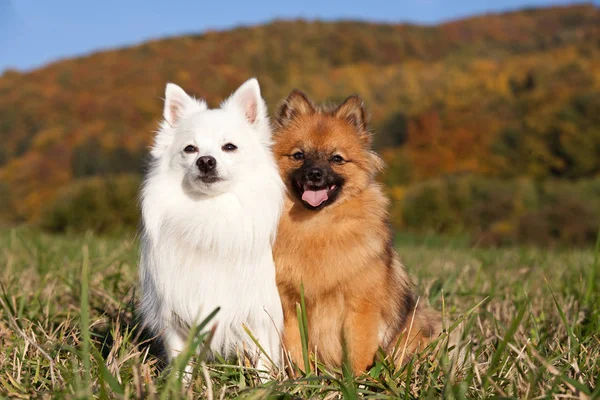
{"points": [[531, 328]]}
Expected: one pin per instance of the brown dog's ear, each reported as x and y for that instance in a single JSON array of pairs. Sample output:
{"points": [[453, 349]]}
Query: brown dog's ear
{"points": [[295, 105], [353, 111]]}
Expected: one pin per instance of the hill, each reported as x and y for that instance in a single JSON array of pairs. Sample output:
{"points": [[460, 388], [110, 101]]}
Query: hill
{"points": [[502, 95]]}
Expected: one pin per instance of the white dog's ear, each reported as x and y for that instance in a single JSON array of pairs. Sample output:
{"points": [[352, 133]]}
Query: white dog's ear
{"points": [[176, 102], [248, 99]]}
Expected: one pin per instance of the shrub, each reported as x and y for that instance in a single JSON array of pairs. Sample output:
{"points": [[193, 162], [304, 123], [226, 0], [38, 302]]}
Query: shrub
{"points": [[101, 204], [426, 207], [491, 201], [571, 220], [501, 212], [493, 212], [456, 203], [533, 227]]}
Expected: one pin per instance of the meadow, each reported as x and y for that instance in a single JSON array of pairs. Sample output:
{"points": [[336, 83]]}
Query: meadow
{"points": [[489, 126], [530, 318]]}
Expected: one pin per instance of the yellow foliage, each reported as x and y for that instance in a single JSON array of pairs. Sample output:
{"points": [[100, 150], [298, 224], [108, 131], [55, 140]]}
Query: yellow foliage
{"points": [[502, 228], [398, 193]]}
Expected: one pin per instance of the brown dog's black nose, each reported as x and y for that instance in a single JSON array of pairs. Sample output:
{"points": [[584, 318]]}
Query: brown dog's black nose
{"points": [[314, 174], [206, 163]]}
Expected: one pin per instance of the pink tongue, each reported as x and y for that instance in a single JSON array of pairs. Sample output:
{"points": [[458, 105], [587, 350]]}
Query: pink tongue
{"points": [[314, 197]]}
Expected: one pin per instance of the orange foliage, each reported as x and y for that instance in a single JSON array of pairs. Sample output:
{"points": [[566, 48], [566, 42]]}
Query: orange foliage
{"points": [[499, 95]]}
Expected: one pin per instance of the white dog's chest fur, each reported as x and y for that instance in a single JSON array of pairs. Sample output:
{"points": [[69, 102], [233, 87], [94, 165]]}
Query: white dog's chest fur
{"points": [[216, 252], [195, 284]]}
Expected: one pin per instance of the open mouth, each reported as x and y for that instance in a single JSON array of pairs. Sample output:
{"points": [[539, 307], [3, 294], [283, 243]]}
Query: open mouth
{"points": [[316, 196]]}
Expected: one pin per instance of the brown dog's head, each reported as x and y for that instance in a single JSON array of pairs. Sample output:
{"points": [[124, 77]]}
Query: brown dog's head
{"points": [[324, 155]]}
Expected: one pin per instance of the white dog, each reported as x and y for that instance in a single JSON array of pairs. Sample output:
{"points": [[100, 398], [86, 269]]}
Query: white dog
{"points": [[210, 207]]}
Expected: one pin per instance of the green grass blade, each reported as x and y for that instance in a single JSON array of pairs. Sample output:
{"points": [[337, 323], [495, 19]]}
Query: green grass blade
{"points": [[408, 378], [592, 282], [347, 384], [503, 344], [563, 317], [303, 326], [577, 385], [194, 340], [105, 374], [85, 320], [257, 343]]}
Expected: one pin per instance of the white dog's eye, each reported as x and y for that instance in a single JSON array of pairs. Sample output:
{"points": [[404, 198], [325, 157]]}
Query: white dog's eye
{"points": [[190, 149], [229, 147]]}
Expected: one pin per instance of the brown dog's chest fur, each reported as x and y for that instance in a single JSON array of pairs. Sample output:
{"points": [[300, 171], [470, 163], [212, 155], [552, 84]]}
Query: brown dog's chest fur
{"points": [[342, 258], [326, 248]]}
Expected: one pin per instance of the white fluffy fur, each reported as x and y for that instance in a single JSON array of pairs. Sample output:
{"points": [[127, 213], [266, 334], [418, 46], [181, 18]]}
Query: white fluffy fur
{"points": [[210, 245]]}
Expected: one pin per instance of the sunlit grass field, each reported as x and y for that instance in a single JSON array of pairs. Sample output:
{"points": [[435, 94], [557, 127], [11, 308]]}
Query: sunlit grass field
{"points": [[530, 321]]}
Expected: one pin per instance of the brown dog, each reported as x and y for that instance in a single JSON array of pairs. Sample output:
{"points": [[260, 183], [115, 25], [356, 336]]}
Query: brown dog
{"points": [[334, 238]]}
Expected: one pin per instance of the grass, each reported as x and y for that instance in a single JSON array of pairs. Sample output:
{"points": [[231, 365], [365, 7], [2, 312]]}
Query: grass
{"points": [[531, 328]]}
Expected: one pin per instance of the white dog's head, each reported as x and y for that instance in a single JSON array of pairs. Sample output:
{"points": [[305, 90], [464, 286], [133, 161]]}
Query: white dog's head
{"points": [[211, 150]]}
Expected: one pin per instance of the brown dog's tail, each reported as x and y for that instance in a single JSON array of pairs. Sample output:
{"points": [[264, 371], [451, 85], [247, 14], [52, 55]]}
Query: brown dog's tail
{"points": [[422, 326]]}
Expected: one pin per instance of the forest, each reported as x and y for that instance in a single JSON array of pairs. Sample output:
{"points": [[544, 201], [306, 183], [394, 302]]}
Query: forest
{"points": [[490, 126]]}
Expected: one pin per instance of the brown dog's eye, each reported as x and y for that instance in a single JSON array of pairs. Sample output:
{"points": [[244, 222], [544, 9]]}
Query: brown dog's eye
{"points": [[190, 149], [229, 147], [337, 159], [298, 155]]}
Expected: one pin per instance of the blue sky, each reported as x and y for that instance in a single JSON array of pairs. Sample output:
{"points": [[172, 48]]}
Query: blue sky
{"points": [[35, 32]]}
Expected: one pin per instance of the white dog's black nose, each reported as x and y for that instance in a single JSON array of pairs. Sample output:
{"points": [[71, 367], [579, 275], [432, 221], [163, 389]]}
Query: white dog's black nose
{"points": [[206, 163]]}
